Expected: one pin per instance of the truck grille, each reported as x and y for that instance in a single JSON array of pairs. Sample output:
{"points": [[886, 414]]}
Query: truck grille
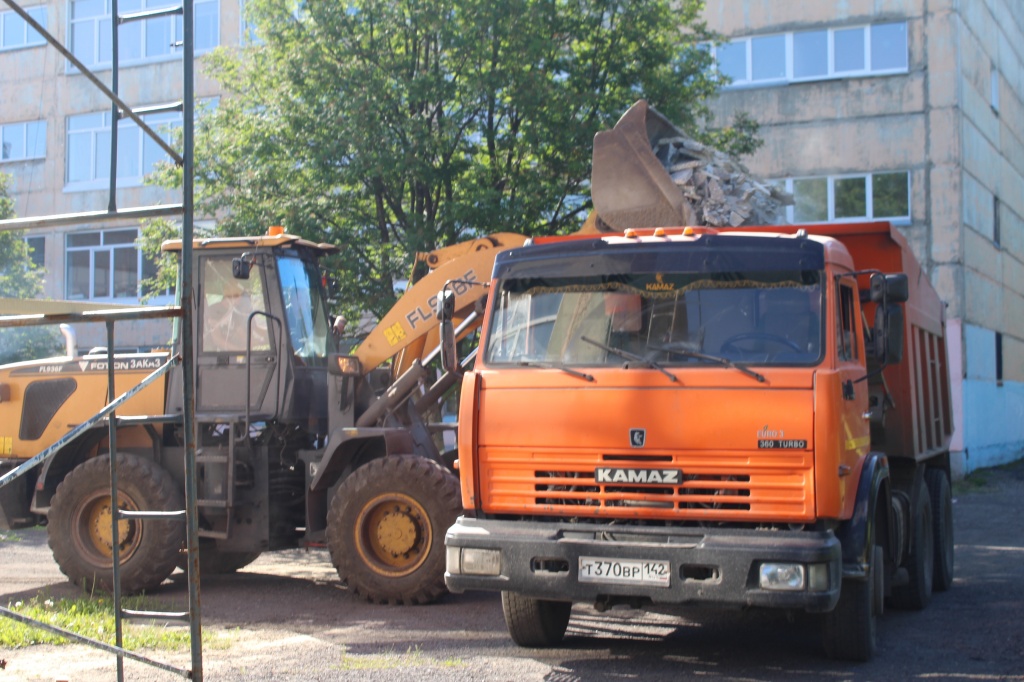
{"points": [[721, 486]]}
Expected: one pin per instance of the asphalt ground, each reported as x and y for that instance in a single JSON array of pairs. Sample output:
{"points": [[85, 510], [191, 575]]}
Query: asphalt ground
{"points": [[286, 617]]}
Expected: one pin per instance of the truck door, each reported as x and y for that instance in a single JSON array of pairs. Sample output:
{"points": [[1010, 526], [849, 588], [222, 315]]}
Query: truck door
{"points": [[237, 341], [855, 435]]}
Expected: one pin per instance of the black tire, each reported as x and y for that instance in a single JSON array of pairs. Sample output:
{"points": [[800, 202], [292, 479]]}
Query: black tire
{"points": [[213, 561], [79, 525], [920, 563], [535, 623], [386, 527], [942, 525], [850, 630]]}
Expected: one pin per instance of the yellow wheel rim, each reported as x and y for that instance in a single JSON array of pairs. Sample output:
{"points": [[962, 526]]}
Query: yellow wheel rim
{"points": [[95, 534], [393, 534]]}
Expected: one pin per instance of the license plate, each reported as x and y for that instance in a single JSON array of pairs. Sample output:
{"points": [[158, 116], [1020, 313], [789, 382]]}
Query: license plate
{"points": [[624, 571]]}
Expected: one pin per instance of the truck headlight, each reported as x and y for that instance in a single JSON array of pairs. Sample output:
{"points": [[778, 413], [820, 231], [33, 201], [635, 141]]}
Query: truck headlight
{"points": [[470, 561], [789, 577]]}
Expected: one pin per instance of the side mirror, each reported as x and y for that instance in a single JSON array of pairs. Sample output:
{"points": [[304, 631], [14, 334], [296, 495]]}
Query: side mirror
{"points": [[888, 334], [445, 311], [893, 288], [241, 266]]}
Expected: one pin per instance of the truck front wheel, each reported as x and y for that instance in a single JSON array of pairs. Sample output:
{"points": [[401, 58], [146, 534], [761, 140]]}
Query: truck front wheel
{"points": [[80, 525], [386, 526], [851, 629], [535, 623]]}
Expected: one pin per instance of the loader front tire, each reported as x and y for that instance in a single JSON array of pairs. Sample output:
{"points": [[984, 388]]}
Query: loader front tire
{"points": [[80, 525], [386, 527]]}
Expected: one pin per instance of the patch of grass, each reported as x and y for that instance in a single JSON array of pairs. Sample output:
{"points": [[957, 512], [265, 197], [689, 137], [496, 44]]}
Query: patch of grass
{"points": [[972, 482], [10, 536], [93, 618], [393, 660]]}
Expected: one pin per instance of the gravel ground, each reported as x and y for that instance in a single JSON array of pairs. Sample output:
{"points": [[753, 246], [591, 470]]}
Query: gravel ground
{"points": [[286, 617]]}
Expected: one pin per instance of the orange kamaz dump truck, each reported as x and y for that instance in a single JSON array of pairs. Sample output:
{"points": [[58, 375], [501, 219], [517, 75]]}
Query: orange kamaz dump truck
{"points": [[752, 417]]}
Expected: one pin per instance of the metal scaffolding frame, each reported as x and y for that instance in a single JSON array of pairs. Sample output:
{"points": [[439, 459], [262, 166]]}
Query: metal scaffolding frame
{"points": [[119, 109]]}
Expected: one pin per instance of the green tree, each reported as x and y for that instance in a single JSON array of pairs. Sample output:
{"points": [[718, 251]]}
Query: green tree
{"points": [[394, 126], [19, 278]]}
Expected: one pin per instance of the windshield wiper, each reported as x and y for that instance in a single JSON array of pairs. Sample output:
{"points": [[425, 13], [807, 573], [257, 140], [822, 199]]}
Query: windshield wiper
{"points": [[555, 365], [685, 351], [626, 355]]}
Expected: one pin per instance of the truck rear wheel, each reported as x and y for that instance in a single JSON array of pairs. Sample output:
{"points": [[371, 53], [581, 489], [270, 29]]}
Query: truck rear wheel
{"points": [[535, 623], [386, 526], [917, 593], [80, 532], [942, 522], [851, 629]]}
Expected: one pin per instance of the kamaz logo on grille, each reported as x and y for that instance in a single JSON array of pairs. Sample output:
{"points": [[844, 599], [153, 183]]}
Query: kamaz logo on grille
{"points": [[648, 476]]}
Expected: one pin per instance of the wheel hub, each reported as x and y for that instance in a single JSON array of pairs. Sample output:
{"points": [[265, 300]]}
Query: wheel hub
{"points": [[396, 532], [98, 532], [393, 534]]}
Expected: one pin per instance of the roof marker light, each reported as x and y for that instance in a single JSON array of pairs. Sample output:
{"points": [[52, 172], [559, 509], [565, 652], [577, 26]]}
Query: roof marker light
{"points": [[688, 232], [659, 232], [275, 230], [629, 234]]}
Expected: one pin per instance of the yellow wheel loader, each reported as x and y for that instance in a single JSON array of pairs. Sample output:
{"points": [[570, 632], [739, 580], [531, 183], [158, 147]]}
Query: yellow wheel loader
{"points": [[298, 444]]}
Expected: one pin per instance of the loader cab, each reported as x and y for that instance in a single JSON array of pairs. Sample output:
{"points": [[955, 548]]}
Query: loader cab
{"points": [[261, 333]]}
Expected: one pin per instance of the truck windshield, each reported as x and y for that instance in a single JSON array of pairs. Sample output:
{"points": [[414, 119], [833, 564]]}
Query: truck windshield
{"points": [[305, 309], [672, 319]]}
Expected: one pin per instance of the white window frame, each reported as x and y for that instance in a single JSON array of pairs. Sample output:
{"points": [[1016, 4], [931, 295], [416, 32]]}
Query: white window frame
{"points": [[126, 127], [30, 37], [7, 128], [101, 32], [830, 71], [110, 249], [869, 204]]}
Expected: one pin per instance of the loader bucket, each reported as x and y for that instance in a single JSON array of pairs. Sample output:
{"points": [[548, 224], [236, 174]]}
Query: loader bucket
{"points": [[629, 185]]}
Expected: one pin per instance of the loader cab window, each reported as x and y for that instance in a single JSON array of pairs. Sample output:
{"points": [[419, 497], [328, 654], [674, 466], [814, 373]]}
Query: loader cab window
{"points": [[305, 309], [230, 310], [762, 318]]}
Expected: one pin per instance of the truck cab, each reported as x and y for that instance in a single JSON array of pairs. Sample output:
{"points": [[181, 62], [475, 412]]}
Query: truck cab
{"points": [[684, 416]]}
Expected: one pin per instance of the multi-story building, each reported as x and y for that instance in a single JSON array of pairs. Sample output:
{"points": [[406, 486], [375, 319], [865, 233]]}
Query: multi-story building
{"points": [[55, 128], [909, 111]]}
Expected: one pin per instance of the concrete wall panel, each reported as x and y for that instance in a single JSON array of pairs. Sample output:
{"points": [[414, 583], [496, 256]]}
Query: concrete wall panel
{"points": [[948, 280], [983, 299], [944, 214]]}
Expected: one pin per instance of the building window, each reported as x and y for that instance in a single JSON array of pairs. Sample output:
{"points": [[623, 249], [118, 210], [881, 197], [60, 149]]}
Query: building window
{"points": [[999, 358], [21, 141], [88, 149], [996, 227], [814, 55], [139, 41], [37, 250], [15, 32], [103, 265], [850, 197]]}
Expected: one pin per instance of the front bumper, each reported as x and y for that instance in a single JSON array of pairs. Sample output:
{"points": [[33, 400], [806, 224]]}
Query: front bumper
{"points": [[707, 565]]}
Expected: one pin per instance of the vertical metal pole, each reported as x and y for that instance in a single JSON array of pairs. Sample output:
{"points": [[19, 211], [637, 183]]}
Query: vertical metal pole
{"points": [[114, 113], [188, 300], [114, 505]]}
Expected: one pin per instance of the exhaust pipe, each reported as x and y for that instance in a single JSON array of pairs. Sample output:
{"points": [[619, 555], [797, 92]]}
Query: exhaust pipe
{"points": [[70, 342]]}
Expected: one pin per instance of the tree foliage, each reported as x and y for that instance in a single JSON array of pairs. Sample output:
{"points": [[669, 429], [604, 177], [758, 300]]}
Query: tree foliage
{"points": [[19, 278], [394, 126]]}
